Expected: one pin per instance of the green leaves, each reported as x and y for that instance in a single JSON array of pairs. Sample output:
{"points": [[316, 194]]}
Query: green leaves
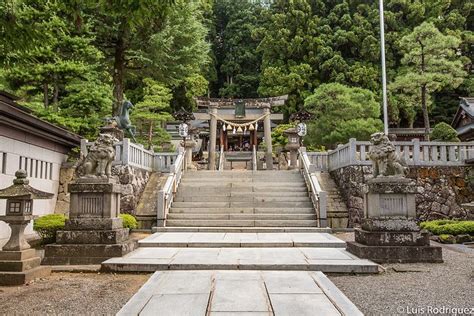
{"points": [[341, 113]]}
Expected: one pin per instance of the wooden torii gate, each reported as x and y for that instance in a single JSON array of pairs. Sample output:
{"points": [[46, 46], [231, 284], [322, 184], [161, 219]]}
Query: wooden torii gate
{"points": [[265, 104]]}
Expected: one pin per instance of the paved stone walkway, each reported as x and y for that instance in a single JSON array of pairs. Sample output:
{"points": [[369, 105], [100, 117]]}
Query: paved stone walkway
{"points": [[241, 251], [221, 239], [254, 293]]}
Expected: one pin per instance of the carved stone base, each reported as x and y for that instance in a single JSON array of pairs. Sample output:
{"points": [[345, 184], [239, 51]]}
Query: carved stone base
{"points": [[20, 267], [396, 254], [89, 241], [394, 246]]}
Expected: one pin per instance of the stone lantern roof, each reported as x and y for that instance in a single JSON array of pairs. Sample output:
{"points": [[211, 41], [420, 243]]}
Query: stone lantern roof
{"points": [[22, 190]]}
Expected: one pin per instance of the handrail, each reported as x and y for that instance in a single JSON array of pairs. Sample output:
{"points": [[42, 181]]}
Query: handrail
{"points": [[166, 194], [318, 196], [221, 159], [415, 153], [254, 158]]}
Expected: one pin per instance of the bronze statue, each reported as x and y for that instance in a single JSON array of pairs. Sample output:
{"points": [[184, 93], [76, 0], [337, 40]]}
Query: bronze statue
{"points": [[122, 121]]}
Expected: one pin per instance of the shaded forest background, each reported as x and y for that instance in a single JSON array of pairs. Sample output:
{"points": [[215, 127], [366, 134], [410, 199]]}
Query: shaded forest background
{"points": [[73, 62]]}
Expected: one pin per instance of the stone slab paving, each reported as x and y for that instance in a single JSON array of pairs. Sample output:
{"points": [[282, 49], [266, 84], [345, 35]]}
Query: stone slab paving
{"points": [[239, 293], [149, 259], [222, 239]]}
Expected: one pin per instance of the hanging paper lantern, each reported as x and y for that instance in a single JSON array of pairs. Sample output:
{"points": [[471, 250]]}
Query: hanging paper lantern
{"points": [[251, 128], [240, 130]]}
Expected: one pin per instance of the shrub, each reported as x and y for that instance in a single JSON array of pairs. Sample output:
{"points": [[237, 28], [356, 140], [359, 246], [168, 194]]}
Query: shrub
{"points": [[444, 132], [47, 226], [450, 227], [129, 221]]}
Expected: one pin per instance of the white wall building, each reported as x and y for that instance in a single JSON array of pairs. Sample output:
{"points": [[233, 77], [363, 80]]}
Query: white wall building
{"points": [[34, 145]]}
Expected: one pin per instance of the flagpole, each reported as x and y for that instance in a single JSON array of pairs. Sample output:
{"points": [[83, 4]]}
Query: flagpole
{"points": [[384, 73]]}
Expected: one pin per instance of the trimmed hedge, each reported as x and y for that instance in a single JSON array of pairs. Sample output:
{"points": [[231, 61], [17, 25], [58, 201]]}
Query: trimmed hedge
{"points": [[129, 221], [449, 227], [47, 226]]}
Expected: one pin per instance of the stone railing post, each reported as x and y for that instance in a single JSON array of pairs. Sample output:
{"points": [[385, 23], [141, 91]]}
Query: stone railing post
{"points": [[416, 151], [352, 151], [125, 151]]}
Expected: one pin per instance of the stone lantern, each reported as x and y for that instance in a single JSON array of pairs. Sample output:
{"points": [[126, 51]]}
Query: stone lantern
{"points": [[18, 262], [293, 145]]}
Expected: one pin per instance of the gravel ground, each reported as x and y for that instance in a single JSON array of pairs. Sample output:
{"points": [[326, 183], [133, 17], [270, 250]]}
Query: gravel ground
{"points": [[436, 285], [71, 294]]}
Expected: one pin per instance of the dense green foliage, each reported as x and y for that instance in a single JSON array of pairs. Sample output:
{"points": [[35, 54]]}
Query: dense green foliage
{"points": [[341, 113], [46, 226], [129, 221], [444, 132], [450, 227], [73, 62]]}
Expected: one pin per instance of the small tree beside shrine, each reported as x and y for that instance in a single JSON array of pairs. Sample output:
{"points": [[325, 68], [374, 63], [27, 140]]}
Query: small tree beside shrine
{"points": [[152, 112]]}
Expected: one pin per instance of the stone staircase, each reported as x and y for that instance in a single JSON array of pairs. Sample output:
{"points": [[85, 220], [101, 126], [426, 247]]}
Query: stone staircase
{"points": [[337, 213], [242, 199], [241, 220]]}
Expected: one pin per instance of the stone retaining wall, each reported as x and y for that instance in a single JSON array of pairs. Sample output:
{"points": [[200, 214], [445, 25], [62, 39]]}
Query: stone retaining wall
{"points": [[441, 190], [133, 181]]}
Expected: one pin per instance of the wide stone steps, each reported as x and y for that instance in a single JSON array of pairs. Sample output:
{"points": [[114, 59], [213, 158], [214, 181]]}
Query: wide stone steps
{"points": [[150, 259], [246, 204], [239, 223], [244, 210], [241, 198], [237, 240], [313, 230], [194, 193], [218, 216]]}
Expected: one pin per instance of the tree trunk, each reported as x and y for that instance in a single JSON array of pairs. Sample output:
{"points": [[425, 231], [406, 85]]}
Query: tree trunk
{"points": [[119, 70], [55, 96], [45, 95], [426, 119], [150, 135]]}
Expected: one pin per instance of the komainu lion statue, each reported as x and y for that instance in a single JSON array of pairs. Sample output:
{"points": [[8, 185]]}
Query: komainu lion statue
{"points": [[99, 158], [386, 161]]}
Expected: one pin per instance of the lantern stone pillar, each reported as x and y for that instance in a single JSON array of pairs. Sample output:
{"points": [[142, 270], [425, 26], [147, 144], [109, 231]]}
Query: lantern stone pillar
{"points": [[267, 130], [19, 263], [212, 138], [293, 145]]}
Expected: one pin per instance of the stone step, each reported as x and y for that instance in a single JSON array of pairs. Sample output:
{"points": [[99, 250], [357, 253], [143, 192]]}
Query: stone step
{"points": [[149, 259], [244, 229], [245, 174], [236, 187], [279, 204], [237, 240], [238, 223], [245, 210], [219, 216], [192, 193], [277, 185], [242, 198]]}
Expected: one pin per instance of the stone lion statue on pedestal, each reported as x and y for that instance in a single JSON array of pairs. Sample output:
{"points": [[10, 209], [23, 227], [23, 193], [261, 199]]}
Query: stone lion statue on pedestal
{"points": [[385, 160], [99, 158]]}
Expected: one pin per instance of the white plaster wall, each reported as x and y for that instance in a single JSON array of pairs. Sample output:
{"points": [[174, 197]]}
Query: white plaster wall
{"points": [[14, 150]]}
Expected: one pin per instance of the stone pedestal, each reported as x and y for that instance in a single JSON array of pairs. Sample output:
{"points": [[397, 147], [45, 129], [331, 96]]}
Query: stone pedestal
{"points": [[389, 233], [114, 131], [18, 263], [94, 232]]}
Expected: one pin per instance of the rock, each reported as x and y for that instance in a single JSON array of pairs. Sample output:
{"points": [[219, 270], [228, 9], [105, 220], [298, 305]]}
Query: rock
{"points": [[445, 209], [127, 189], [66, 175], [62, 207], [436, 207], [447, 239], [460, 239]]}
